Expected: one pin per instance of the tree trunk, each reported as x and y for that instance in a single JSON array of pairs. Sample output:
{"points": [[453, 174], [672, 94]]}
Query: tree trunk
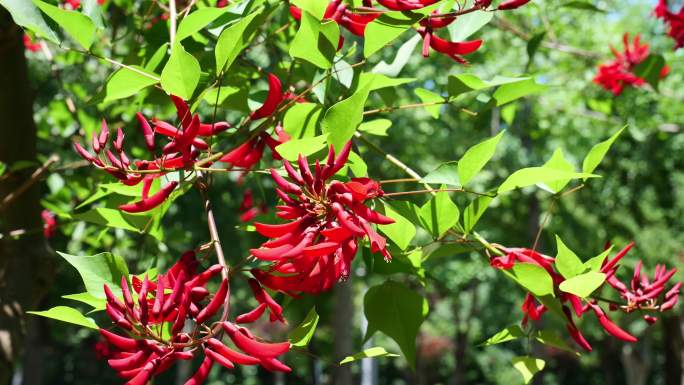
{"points": [[25, 262], [342, 326], [673, 348]]}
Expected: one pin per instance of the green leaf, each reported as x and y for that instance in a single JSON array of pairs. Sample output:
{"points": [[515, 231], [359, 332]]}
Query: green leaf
{"points": [[301, 335], [650, 69], [582, 5], [181, 73], [376, 127], [67, 314], [511, 333], [291, 149], [232, 41], [315, 41], [558, 162], [157, 57], [381, 81], [474, 211], [533, 175], [567, 262], [598, 152], [533, 278], [551, 338], [430, 97], [125, 82], [386, 28], [76, 24], [357, 166], [584, 284], [315, 7], [96, 303], [512, 91], [439, 214], [401, 232], [26, 14], [197, 20], [368, 353], [402, 57], [445, 173], [533, 44], [98, 270], [300, 120], [476, 158], [398, 312], [117, 219], [528, 367], [594, 264], [468, 24], [94, 11], [341, 120], [462, 83]]}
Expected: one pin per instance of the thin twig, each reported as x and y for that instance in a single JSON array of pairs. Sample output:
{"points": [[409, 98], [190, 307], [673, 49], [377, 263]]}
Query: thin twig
{"points": [[172, 22], [35, 177], [213, 233]]}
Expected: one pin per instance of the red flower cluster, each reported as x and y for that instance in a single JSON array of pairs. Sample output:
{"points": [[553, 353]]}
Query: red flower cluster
{"points": [[613, 76], [315, 249], [29, 44], [644, 295], [182, 150], [356, 23], [674, 21], [337, 11], [176, 297]]}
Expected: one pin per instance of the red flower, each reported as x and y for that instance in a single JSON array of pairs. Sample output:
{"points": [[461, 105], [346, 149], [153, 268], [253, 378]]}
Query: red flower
{"points": [[49, 223], [176, 296], [613, 76], [181, 152], [644, 295], [674, 21], [30, 45], [337, 11], [405, 5], [315, 249]]}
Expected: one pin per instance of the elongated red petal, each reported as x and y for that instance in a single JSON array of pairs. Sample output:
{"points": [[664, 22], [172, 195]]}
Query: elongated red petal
{"points": [[273, 231], [253, 347], [275, 96], [214, 304], [236, 357], [151, 202], [201, 373]]}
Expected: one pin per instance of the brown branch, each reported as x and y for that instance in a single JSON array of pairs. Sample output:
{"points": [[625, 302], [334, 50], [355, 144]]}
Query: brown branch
{"points": [[35, 177]]}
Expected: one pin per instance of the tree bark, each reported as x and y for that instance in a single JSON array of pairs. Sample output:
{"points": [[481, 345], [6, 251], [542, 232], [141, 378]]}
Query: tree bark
{"points": [[342, 326], [25, 262], [673, 348]]}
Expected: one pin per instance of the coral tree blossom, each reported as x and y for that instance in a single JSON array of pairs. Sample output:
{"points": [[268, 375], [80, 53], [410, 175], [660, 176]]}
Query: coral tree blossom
{"points": [[314, 250], [356, 21], [674, 21], [176, 297], [181, 151], [644, 295], [615, 75]]}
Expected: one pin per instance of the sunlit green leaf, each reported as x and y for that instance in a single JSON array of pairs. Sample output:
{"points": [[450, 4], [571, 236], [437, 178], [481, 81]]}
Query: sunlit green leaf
{"points": [[67, 314], [368, 353]]}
